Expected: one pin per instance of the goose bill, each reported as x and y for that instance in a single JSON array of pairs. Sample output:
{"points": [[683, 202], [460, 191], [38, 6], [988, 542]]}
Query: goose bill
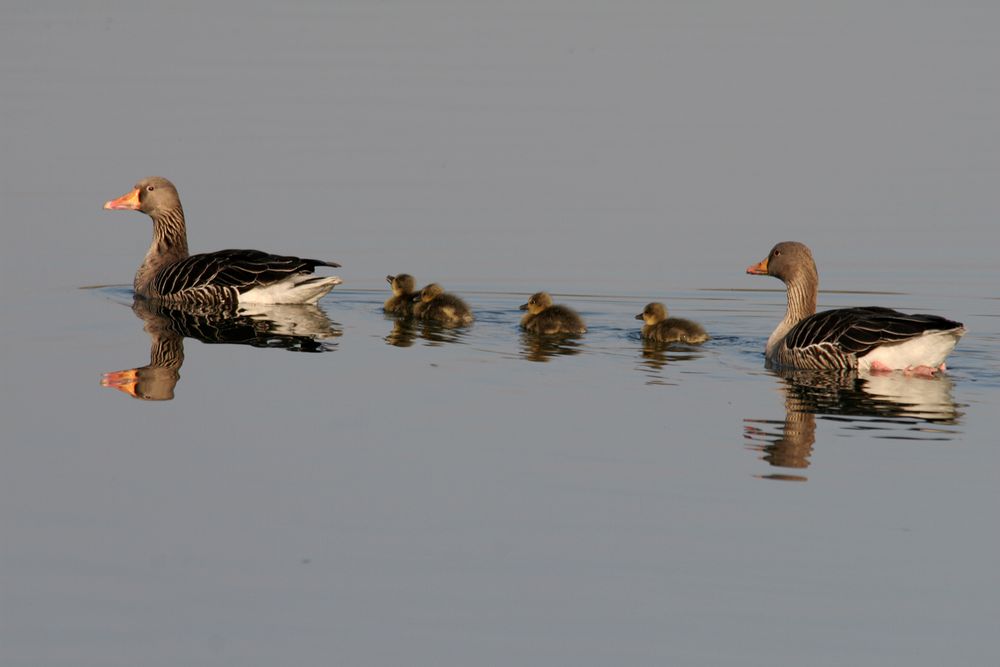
{"points": [[127, 202]]}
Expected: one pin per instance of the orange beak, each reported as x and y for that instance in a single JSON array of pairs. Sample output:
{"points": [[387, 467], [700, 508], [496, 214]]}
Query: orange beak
{"points": [[127, 202], [758, 269], [125, 381]]}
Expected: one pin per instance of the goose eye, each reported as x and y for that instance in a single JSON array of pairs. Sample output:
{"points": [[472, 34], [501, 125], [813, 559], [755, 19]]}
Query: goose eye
{"points": [[149, 188]]}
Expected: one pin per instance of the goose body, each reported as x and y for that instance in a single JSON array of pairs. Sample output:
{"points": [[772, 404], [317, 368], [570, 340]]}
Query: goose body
{"points": [[169, 274], [544, 317], [660, 328], [434, 304], [864, 338], [403, 292]]}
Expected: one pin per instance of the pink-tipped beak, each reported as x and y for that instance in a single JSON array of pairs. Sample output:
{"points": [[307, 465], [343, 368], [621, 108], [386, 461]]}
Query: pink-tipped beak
{"points": [[121, 380], [127, 202]]}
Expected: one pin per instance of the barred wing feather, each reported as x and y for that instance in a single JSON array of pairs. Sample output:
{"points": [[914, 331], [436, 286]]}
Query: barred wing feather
{"points": [[236, 269], [858, 331]]}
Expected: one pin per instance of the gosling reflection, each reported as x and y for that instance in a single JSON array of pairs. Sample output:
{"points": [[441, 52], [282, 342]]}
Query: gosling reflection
{"points": [[656, 356], [544, 348], [406, 330], [300, 328], [889, 405]]}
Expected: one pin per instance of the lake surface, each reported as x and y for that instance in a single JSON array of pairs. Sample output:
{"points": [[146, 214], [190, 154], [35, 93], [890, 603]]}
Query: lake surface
{"points": [[326, 486]]}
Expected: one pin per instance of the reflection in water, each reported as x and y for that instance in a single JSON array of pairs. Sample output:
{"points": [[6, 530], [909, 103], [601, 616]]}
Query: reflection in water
{"points": [[437, 333], [656, 355], [298, 328], [405, 331], [897, 405], [537, 347]]}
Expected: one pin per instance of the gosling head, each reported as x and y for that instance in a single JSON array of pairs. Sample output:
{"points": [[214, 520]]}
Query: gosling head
{"points": [[402, 283], [429, 293], [538, 302], [653, 313]]}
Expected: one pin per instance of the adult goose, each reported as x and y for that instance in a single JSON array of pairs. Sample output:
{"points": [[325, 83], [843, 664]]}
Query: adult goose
{"points": [[170, 275], [865, 339]]}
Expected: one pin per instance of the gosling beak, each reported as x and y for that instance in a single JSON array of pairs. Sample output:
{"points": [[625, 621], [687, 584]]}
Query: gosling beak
{"points": [[758, 269], [127, 202], [639, 316], [523, 306], [389, 279]]}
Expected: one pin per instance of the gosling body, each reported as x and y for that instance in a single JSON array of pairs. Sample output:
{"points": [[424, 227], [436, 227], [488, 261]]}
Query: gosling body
{"points": [[544, 317], [404, 289], [436, 305], [660, 328]]}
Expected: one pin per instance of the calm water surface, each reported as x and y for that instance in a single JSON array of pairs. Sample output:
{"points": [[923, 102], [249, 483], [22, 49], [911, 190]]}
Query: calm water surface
{"points": [[325, 485]]}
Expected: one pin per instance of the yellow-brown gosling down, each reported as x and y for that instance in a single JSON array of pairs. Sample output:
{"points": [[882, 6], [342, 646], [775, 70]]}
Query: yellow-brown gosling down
{"points": [[433, 303], [404, 288], [660, 328], [545, 318]]}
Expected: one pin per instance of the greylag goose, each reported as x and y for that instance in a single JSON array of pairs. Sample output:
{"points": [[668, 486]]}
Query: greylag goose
{"points": [[404, 288], [863, 339], [433, 303], [545, 318], [170, 275], [659, 328]]}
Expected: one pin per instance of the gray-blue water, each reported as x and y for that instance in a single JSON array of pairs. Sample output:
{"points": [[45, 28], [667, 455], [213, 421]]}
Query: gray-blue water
{"points": [[411, 496]]}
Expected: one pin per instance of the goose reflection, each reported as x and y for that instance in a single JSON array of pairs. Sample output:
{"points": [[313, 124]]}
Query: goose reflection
{"points": [[300, 328], [888, 405]]}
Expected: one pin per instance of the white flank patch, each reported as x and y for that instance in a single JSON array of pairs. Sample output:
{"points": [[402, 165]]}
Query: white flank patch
{"points": [[930, 349], [294, 289]]}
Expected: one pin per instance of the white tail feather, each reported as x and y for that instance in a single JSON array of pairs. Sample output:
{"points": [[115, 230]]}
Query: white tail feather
{"points": [[302, 288], [928, 350]]}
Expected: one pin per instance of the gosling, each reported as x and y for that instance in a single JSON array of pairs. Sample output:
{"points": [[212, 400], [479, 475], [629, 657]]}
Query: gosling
{"points": [[433, 303], [662, 329], [404, 288], [545, 318]]}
